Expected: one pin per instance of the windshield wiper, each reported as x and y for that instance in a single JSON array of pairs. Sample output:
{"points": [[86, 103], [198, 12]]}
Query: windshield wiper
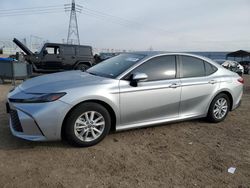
{"points": [[92, 73], [101, 74]]}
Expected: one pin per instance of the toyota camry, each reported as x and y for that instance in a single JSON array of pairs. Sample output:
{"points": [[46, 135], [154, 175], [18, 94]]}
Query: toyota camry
{"points": [[131, 90]]}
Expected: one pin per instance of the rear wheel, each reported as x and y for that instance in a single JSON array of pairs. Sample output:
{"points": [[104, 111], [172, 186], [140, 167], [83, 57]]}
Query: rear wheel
{"points": [[82, 67], [219, 108], [87, 125]]}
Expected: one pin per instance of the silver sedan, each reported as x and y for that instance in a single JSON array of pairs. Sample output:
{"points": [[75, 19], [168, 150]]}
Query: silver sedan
{"points": [[131, 90]]}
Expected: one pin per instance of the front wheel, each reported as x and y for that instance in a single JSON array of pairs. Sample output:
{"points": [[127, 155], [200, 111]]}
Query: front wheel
{"points": [[219, 108], [87, 125]]}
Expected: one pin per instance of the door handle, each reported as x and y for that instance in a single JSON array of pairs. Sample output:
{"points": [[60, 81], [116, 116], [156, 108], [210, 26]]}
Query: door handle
{"points": [[212, 82], [174, 85]]}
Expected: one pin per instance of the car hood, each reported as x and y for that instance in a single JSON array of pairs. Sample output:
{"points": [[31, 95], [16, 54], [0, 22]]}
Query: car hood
{"points": [[61, 82]]}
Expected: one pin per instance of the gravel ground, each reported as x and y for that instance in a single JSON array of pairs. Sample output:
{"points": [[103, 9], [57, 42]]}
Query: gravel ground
{"points": [[185, 154]]}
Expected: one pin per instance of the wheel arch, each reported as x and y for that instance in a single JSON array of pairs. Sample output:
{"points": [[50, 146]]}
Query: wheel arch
{"points": [[229, 96], [104, 104], [83, 62]]}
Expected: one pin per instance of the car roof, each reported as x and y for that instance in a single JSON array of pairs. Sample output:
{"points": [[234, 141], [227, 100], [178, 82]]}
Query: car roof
{"points": [[60, 44], [151, 54], [159, 53]]}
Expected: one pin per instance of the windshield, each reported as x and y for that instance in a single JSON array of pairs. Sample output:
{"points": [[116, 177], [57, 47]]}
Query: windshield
{"points": [[113, 67]]}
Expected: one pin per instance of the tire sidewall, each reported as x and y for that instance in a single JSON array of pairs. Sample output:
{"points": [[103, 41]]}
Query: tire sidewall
{"points": [[211, 116], [79, 110], [82, 67]]}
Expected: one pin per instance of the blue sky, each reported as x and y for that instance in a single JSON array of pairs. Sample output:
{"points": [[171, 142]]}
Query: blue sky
{"points": [[180, 25]]}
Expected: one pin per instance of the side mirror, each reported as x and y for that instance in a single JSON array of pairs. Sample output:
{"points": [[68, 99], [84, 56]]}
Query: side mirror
{"points": [[138, 77]]}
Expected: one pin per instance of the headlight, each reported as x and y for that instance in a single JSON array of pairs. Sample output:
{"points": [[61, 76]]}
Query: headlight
{"points": [[40, 99]]}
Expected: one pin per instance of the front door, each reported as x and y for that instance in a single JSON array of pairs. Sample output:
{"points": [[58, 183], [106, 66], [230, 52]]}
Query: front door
{"points": [[158, 98], [52, 58]]}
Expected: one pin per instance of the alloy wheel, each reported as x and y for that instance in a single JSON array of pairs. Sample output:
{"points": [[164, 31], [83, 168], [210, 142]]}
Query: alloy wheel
{"points": [[220, 108], [89, 126]]}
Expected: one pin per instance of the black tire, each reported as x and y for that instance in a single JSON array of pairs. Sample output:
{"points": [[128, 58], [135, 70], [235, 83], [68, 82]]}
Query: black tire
{"points": [[211, 116], [69, 128], [82, 67]]}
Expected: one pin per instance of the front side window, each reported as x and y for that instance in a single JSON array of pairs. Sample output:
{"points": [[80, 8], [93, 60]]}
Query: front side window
{"points": [[192, 67], [115, 66], [51, 50], [158, 68]]}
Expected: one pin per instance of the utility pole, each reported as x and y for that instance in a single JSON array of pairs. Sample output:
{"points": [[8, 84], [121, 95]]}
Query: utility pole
{"points": [[73, 34]]}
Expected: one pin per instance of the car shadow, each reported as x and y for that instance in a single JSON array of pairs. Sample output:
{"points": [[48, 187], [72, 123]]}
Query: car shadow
{"points": [[176, 124], [10, 142]]}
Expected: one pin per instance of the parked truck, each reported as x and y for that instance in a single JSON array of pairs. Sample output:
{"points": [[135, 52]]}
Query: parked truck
{"points": [[55, 57]]}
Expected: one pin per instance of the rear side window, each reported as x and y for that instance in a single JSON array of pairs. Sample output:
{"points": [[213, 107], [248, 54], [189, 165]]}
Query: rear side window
{"points": [[192, 67], [158, 68], [82, 50], [68, 50], [210, 69]]}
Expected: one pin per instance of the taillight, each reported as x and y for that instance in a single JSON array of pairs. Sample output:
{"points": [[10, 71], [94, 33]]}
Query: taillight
{"points": [[241, 80]]}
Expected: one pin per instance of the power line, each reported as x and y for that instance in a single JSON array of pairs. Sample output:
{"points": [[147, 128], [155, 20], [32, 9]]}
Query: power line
{"points": [[104, 18], [78, 8], [31, 10], [2, 10], [122, 23], [16, 12], [111, 16], [33, 13], [134, 23]]}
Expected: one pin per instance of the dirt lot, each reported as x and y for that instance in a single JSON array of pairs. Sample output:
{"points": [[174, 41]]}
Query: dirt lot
{"points": [[186, 154]]}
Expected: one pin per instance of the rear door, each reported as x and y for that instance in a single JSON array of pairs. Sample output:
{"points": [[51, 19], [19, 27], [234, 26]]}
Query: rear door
{"points": [[198, 85], [68, 56]]}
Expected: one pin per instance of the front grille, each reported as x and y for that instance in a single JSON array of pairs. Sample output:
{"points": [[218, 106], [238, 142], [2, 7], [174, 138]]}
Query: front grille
{"points": [[16, 124]]}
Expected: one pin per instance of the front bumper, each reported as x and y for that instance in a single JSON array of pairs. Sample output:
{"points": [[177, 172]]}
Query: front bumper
{"points": [[37, 121]]}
